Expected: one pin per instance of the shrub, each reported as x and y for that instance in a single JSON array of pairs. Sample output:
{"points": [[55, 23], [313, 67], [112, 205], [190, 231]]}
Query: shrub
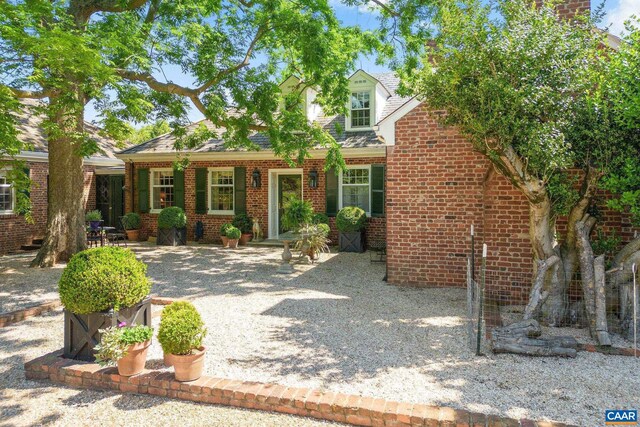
{"points": [[323, 228], [296, 214], [313, 240], [172, 217], [181, 329], [320, 218], [224, 227], [93, 216], [242, 222], [350, 219], [233, 233], [115, 340], [102, 278], [131, 221]]}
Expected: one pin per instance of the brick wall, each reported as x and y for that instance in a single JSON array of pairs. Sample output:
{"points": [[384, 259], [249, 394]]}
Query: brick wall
{"points": [[14, 229], [569, 8], [257, 198]]}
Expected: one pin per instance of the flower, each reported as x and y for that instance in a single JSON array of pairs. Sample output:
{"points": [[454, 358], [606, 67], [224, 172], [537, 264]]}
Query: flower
{"points": [[122, 324]]}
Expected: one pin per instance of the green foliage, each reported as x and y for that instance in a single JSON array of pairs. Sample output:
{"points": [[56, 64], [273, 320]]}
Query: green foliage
{"points": [[148, 132], [172, 217], [351, 218], [606, 244], [624, 183], [115, 341], [131, 221], [181, 329], [297, 213], [243, 222], [314, 239], [233, 233], [324, 228], [224, 227], [320, 218], [102, 278], [93, 216]]}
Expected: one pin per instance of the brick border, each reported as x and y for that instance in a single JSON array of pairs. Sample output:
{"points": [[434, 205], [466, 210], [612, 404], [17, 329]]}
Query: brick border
{"points": [[11, 317], [326, 405]]}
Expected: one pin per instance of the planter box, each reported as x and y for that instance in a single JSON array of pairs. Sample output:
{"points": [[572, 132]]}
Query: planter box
{"points": [[245, 238], [351, 242], [81, 330], [172, 237]]}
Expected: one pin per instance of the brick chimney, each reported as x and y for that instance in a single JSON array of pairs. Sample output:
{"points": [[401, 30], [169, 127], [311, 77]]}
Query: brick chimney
{"points": [[569, 8]]}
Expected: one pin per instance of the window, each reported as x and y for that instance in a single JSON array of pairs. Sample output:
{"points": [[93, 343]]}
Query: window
{"points": [[221, 191], [361, 109], [161, 189], [7, 195], [355, 187]]}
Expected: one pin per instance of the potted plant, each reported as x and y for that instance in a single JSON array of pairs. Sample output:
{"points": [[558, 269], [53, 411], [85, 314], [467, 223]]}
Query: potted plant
{"points": [[297, 213], [350, 223], [172, 227], [94, 218], [96, 286], [320, 218], [125, 346], [234, 235], [314, 240], [223, 234], [181, 334], [131, 223], [245, 225]]}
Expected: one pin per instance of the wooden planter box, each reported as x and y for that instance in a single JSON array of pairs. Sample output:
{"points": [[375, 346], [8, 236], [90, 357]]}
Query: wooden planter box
{"points": [[172, 236], [352, 241], [81, 330]]}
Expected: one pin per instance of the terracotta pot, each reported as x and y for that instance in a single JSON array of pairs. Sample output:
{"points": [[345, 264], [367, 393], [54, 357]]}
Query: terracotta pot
{"points": [[133, 235], [168, 359], [225, 241], [245, 238], [133, 362], [233, 243], [189, 367]]}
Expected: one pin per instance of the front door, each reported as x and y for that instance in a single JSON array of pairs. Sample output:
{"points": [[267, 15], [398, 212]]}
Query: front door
{"points": [[289, 187], [116, 202]]}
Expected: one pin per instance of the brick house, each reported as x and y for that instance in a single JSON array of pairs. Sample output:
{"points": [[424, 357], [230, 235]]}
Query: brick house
{"points": [[103, 182]]}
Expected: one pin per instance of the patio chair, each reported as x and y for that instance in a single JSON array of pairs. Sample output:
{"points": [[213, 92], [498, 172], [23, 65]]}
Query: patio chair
{"points": [[378, 253], [94, 236], [118, 235]]}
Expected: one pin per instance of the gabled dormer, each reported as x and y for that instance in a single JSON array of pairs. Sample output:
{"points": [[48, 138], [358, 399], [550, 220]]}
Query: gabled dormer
{"points": [[307, 96], [367, 100]]}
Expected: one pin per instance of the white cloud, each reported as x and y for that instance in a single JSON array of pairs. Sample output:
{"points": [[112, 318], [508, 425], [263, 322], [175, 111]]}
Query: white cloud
{"points": [[620, 13]]}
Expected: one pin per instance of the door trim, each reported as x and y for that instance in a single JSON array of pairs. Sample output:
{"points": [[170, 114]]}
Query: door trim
{"points": [[273, 195]]}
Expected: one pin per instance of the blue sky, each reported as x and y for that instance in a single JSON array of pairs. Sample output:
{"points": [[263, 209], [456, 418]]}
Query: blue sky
{"points": [[617, 11]]}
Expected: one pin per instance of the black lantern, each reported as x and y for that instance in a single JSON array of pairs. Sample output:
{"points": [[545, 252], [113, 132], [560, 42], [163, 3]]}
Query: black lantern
{"points": [[313, 179], [255, 179]]}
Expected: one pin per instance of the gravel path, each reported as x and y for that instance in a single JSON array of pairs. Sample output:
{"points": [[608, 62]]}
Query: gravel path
{"points": [[21, 286], [338, 326]]}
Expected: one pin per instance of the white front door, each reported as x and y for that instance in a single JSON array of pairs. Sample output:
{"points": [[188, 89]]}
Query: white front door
{"points": [[283, 184]]}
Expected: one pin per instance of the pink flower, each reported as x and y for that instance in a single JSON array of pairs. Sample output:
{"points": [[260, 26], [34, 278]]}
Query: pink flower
{"points": [[122, 324]]}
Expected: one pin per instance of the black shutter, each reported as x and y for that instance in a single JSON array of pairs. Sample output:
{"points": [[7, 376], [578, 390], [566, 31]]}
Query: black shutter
{"points": [[331, 192], [377, 190], [201, 190], [178, 188], [240, 190], [143, 190]]}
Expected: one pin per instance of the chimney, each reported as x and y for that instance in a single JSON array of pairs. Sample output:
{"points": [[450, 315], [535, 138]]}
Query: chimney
{"points": [[567, 9]]}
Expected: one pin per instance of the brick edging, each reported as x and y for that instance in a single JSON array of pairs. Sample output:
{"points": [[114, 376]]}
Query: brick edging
{"points": [[326, 405], [16, 316]]}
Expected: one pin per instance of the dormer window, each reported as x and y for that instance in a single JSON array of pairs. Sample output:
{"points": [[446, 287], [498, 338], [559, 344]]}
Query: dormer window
{"points": [[361, 109]]}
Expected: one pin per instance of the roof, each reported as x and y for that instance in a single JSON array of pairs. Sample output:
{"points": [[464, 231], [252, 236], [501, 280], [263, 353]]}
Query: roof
{"points": [[351, 139], [31, 132]]}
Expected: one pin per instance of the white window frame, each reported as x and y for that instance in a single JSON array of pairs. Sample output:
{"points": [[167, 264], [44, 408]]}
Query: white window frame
{"points": [[210, 184], [340, 184], [371, 108], [3, 174], [151, 187]]}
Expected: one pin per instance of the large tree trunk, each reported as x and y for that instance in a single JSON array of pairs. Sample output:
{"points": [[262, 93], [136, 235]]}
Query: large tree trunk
{"points": [[65, 234]]}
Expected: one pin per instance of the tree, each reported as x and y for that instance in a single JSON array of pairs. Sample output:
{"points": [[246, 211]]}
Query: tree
{"points": [[148, 132], [112, 52], [530, 92]]}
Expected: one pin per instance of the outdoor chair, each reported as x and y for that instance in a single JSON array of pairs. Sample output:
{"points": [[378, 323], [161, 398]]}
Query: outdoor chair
{"points": [[378, 253], [94, 236], [118, 235]]}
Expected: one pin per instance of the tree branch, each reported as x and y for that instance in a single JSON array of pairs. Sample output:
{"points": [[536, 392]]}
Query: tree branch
{"points": [[21, 93], [578, 211], [83, 9], [386, 8]]}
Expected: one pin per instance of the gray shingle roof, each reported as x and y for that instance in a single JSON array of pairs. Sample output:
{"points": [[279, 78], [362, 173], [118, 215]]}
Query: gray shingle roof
{"points": [[165, 143]]}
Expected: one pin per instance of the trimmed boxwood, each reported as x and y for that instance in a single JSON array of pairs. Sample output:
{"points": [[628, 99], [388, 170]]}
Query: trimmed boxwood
{"points": [[224, 227], [324, 228], [102, 278], [181, 328], [172, 217], [233, 233], [243, 222], [351, 219], [320, 218], [131, 221]]}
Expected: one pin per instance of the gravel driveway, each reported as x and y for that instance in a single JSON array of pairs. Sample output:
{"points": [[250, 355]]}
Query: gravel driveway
{"points": [[336, 325]]}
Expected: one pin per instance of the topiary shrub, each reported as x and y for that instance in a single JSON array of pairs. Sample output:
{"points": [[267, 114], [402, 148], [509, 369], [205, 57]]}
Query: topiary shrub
{"points": [[242, 222], [181, 329], [224, 227], [233, 233], [103, 278], [172, 217], [324, 228], [131, 221], [351, 219], [320, 218], [296, 214]]}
